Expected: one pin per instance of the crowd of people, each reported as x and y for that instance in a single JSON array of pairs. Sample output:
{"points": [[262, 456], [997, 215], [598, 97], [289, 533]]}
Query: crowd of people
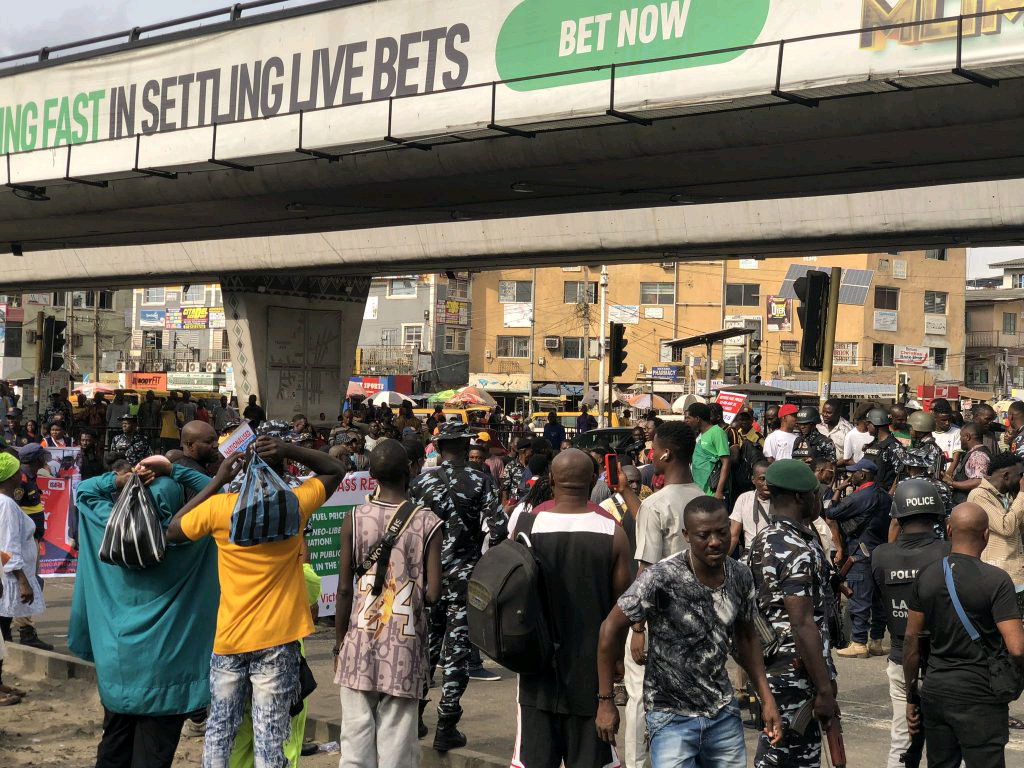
{"points": [[696, 542]]}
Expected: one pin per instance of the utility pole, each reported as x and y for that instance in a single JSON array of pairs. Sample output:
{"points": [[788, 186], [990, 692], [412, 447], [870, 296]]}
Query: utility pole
{"points": [[585, 310], [39, 361], [533, 330], [96, 340], [69, 359], [825, 377], [602, 398]]}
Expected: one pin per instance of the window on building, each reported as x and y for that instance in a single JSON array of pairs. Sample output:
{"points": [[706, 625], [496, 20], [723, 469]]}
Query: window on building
{"points": [[401, 287], [412, 335], [743, 294], [977, 373], [887, 298], [388, 337], [88, 299], [1018, 280], [458, 288], [572, 348], [513, 346], [935, 254], [1009, 322], [455, 340], [515, 291], [935, 302], [882, 355], [194, 294], [789, 346], [11, 344], [578, 291], [937, 357], [657, 293], [57, 299], [153, 296]]}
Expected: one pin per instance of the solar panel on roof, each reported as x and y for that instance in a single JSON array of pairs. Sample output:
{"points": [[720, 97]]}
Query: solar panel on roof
{"points": [[852, 290]]}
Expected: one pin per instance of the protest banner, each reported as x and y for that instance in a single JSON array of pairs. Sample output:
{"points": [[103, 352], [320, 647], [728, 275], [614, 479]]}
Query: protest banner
{"points": [[57, 554], [238, 440], [324, 542], [731, 403]]}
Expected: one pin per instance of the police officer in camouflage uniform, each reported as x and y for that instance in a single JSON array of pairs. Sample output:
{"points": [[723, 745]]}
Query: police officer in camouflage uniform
{"points": [[916, 467], [464, 498], [885, 450], [791, 575], [810, 444], [923, 444], [917, 506]]}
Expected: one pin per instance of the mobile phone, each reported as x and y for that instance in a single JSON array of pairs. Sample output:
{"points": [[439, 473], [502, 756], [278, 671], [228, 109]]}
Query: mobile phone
{"points": [[611, 468]]}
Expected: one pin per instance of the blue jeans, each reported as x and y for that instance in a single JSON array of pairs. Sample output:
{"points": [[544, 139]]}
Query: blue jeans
{"points": [[867, 614], [269, 681], [680, 742]]}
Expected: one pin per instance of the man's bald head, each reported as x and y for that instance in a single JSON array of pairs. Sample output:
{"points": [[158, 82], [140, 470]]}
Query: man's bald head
{"points": [[968, 526], [572, 475], [199, 441]]}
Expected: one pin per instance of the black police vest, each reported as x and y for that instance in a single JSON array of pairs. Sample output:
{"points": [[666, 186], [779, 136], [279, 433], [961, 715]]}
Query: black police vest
{"points": [[900, 566]]}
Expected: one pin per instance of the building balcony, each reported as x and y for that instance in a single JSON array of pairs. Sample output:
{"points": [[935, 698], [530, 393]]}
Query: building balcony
{"points": [[995, 340], [176, 361], [388, 360]]}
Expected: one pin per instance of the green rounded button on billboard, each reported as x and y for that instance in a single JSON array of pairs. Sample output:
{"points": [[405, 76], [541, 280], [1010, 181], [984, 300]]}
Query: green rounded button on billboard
{"points": [[544, 36]]}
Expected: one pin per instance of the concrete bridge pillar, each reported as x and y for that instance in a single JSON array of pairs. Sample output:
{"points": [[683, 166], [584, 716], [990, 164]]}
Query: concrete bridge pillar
{"points": [[293, 340]]}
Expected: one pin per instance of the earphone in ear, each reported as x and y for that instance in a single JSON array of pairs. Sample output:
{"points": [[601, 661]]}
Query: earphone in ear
{"points": [[664, 456]]}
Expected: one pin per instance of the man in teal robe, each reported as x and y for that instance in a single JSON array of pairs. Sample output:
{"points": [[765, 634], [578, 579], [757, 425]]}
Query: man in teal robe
{"points": [[150, 632]]}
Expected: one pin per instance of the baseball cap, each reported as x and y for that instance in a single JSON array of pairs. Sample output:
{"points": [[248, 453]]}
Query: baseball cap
{"points": [[787, 410], [864, 465]]}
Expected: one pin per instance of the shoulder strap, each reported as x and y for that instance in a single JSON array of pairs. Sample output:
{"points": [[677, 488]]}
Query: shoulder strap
{"points": [[948, 571], [381, 552]]}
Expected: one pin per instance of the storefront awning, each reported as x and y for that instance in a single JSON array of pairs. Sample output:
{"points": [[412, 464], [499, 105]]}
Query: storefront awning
{"points": [[839, 388], [558, 390]]}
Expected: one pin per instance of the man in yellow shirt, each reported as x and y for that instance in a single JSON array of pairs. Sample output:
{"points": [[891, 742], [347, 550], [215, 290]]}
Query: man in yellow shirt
{"points": [[263, 612]]}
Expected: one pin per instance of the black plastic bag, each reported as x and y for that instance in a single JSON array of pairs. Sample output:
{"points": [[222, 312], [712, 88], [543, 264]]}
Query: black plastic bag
{"points": [[133, 537]]}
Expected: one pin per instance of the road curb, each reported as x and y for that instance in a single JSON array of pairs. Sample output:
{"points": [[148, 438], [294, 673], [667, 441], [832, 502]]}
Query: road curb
{"points": [[34, 663]]}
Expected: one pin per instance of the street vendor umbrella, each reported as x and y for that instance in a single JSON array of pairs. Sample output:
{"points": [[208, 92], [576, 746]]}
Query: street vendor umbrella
{"points": [[685, 401], [472, 396], [440, 398], [90, 390], [649, 401], [356, 390], [392, 398], [590, 399]]}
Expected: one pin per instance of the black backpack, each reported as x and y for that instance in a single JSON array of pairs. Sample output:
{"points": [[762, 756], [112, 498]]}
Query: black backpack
{"points": [[506, 606], [743, 474]]}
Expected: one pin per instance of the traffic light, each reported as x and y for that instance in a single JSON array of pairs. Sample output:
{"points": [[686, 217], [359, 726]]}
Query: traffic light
{"points": [[754, 361], [617, 347], [52, 353], [903, 393], [812, 310]]}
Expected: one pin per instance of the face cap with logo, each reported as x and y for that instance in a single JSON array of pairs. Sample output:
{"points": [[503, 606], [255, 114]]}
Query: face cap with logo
{"points": [[917, 497]]}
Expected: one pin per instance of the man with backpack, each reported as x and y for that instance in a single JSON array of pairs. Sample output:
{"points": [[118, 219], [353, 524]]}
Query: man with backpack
{"points": [[746, 448], [584, 557], [465, 499], [382, 664]]}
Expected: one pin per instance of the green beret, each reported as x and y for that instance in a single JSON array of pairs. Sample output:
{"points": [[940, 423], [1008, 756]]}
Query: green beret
{"points": [[791, 475]]}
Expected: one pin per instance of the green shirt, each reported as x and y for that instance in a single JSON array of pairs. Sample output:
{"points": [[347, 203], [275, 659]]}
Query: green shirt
{"points": [[150, 632], [712, 446]]}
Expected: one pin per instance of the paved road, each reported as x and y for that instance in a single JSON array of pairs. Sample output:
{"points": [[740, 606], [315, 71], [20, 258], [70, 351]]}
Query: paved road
{"points": [[490, 719]]}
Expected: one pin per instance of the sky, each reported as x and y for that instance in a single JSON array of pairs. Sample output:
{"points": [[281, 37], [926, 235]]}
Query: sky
{"points": [[29, 26]]}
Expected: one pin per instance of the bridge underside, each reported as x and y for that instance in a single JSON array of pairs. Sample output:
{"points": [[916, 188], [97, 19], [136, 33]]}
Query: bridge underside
{"points": [[978, 213], [892, 140]]}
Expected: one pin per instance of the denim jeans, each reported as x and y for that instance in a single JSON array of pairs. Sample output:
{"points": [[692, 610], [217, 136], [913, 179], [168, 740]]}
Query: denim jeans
{"points": [[867, 615], [269, 681], [685, 742]]}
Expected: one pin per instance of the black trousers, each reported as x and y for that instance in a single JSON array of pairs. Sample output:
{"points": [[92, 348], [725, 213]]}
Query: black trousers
{"points": [[138, 741], [955, 730]]}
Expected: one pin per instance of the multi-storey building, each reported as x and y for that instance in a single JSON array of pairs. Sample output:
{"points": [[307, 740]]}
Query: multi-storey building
{"points": [[995, 332], [898, 313]]}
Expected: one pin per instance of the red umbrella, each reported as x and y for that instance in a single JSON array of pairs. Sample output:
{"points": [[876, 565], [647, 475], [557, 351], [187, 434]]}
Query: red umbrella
{"points": [[356, 390], [471, 396]]}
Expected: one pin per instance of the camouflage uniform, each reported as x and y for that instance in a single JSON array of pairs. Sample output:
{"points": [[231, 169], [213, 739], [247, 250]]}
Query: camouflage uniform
{"points": [[465, 498], [887, 456], [786, 560], [134, 449], [928, 450], [512, 479], [814, 446]]}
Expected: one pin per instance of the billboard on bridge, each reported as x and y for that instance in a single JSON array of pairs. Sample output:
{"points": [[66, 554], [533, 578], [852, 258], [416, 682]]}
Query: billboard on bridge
{"points": [[354, 77]]}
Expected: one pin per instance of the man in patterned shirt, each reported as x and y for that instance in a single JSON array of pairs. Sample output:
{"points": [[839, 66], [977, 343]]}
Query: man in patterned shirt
{"points": [[130, 445], [694, 605], [791, 573], [464, 498], [512, 479]]}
